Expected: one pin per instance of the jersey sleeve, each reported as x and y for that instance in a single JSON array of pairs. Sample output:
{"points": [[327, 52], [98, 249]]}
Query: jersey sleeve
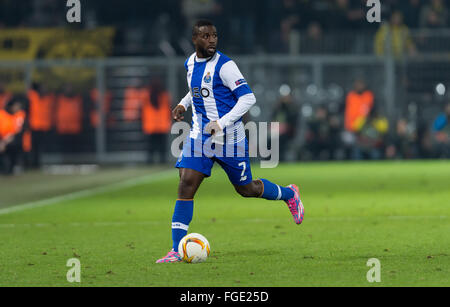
{"points": [[234, 80], [186, 102], [244, 103]]}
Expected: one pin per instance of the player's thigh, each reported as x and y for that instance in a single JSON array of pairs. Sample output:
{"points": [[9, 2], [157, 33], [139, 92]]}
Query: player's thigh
{"points": [[192, 172], [190, 180], [197, 161], [238, 170], [190, 176]]}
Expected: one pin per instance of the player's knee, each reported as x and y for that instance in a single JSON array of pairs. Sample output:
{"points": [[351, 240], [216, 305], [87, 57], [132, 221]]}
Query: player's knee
{"points": [[187, 187], [185, 184]]}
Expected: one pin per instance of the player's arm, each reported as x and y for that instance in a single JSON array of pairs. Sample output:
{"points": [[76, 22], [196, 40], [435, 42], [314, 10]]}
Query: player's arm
{"points": [[244, 103], [182, 107], [242, 106], [233, 79]]}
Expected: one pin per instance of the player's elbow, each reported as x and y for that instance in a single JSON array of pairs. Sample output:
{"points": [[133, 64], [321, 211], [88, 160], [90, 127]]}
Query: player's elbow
{"points": [[250, 99]]}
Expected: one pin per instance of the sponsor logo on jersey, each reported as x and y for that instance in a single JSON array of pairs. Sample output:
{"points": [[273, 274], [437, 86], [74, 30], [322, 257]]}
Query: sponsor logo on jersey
{"points": [[240, 81]]}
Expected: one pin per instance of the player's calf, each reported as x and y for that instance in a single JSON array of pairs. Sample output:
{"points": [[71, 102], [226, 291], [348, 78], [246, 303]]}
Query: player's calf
{"points": [[272, 191], [265, 189], [252, 189], [190, 180]]}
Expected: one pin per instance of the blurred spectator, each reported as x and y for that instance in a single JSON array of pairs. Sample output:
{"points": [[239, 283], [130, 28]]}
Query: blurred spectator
{"points": [[12, 121], [404, 144], [441, 134], [4, 96], [313, 42], [335, 122], [286, 113], [358, 104], [370, 136], [286, 18], [156, 120], [411, 12], [94, 117], [134, 96], [290, 18], [394, 38], [41, 111], [424, 139], [346, 15], [339, 19], [152, 106], [357, 15], [434, 15], [242, 24], [432, 20], [321, 137], [69, 118]]}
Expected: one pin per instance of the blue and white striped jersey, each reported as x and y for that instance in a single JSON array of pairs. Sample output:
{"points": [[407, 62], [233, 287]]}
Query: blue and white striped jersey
{"points": [[215, 86]]}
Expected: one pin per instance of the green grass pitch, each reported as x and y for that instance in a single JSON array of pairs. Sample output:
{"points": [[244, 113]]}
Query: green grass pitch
{"points": [[397, 212]]}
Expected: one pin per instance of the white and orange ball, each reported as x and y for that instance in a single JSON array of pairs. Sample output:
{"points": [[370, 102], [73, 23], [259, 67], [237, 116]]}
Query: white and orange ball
{"points": [[194, 248]]}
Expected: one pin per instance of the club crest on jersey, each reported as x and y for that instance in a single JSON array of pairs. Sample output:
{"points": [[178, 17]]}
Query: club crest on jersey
{"points": [[240, 81], [207, 78]]}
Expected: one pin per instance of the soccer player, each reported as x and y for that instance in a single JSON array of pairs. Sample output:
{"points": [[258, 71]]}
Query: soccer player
{"points": [[219, 96]]}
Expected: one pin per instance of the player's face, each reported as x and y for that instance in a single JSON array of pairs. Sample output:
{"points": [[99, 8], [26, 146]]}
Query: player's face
{"points": [[16, 107], [205, 41]]}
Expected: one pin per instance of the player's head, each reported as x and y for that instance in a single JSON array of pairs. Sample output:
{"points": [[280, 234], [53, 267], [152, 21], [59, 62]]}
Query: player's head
{"points": [[16, 104], [204, 37]]}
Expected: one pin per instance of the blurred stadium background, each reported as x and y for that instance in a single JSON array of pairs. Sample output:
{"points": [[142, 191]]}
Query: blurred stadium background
{"points": [[100, 91], [85, 163]]}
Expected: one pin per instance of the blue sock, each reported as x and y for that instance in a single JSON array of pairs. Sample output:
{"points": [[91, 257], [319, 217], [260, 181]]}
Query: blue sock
{"points": [[182, 216], [273, 191]]}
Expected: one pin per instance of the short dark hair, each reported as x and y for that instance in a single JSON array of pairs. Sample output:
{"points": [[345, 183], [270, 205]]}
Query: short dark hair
{"points": [[201, 23]]}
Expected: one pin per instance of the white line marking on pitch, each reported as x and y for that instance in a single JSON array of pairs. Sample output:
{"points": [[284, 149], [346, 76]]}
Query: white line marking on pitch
{"points": [[84, 224], [146, 223], [90, 192]]}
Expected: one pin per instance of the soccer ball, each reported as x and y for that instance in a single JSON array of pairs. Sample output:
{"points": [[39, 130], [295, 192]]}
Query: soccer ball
{"points": [[194, 248]]}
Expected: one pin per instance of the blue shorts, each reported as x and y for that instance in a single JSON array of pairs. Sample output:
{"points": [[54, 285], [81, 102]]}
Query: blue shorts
{"points": [[233, 158]]}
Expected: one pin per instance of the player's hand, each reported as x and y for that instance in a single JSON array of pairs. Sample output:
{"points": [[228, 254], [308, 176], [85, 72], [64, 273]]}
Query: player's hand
{"points": [[2, 146], [177, 113], [213, 127]]}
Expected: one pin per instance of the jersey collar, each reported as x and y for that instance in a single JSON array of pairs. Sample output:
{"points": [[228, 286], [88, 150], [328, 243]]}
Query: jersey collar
{"points": [[200, 60]]}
